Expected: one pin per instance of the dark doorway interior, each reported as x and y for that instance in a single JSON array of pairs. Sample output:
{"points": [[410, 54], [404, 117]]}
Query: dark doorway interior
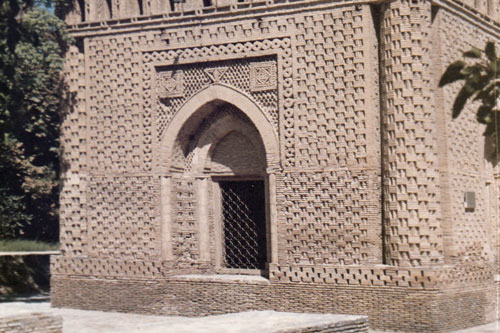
{"points": [[244, 224]]}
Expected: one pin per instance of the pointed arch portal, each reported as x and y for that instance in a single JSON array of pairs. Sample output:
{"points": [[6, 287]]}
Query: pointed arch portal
{"points": [[226, 144], [227, 94]]}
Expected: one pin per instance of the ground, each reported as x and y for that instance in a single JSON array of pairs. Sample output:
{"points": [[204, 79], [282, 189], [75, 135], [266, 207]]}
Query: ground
{"points": [[256, 321]]}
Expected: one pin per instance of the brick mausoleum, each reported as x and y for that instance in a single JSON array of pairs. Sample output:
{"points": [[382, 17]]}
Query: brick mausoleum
{"points": [[225, 155]]}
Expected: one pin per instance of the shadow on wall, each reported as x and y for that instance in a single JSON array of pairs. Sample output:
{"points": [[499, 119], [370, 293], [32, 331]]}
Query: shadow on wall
{"points": [[23, 275]]}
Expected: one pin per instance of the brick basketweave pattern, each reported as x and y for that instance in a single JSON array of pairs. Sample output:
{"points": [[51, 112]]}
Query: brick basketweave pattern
{"points": [[333, 105]]}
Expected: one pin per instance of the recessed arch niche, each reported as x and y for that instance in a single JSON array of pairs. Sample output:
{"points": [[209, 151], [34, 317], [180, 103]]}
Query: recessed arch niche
{"points": [[218, 140]]}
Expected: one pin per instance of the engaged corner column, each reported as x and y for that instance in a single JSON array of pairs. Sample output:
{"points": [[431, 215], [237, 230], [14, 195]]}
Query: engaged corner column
{"points": [[410, 168]]}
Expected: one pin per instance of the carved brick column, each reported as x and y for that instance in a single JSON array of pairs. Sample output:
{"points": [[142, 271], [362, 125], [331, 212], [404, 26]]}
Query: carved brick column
{"points": [[410, 174]]}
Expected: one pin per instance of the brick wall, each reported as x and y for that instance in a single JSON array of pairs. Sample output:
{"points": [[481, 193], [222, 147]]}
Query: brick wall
{"points": [[335, 106], [327, 169], [388, 308], [471, 235]]}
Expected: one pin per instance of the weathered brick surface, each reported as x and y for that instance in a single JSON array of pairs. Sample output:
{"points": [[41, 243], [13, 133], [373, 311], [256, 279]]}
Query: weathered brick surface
{"points": [[334, 105], [412, 196], [474, 233], [397, 308]]}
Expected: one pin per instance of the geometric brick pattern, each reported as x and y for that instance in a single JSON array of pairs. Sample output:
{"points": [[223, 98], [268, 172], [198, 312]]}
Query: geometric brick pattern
{"points": [[409, 278], [194, 78], [184, 229], [412, 216], [326, 218], [366, 206], [334, 130], [330, 79], [353, 276], [473, 231], [489, 9], [123, 217], [236, 73], [73, 154], [339, 275], [120, 131], [322, 120], [108, 268]]}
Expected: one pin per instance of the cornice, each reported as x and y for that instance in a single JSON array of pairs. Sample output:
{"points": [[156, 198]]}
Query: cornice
{"points": [[471, 15], [254, 10], [257, 9]]}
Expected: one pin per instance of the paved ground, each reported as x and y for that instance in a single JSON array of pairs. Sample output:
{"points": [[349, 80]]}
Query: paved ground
{"points": [[255, 321], [79, 321], [490, 328], [493, 327]]}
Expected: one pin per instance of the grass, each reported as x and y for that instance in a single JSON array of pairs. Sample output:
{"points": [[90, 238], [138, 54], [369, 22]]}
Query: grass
{"points": [[26, 245]]}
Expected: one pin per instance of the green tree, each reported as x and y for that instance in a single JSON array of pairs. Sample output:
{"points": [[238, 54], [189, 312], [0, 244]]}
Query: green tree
{"points": [[480, 72], [32, 46]]}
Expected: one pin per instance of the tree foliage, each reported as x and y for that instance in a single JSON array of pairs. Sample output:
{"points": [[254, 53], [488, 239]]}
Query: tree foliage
{"points": [[480, 72], [32, 46]]}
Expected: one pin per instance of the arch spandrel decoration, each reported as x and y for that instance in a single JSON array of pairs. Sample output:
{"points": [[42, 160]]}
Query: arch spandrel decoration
{"points": [[173, 75], [229, 95], [184, 89]]}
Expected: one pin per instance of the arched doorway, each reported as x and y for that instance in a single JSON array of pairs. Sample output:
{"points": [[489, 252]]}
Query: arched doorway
{"points": [[236, 165], [226, 156], [226, 150]]}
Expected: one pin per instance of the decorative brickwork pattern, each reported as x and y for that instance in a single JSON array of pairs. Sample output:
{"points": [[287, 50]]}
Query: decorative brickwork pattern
{"points": [[236, 74], [74, 158], [281, 54], [193, 78], [412, 278], [123, 217], [185, 236], [109, 268], [100, 10], [473, 231], [451, 277], [170, 84], [467, 274], [412, 216], [327, 218], [263, 76], [120, 128], [355, 276], [488, 9], [330, 80], [333, 106]]}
